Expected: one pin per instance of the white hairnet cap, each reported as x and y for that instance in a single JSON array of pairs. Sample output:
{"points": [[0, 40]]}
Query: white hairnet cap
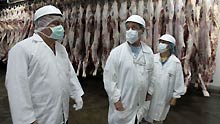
{"points": [[136, 18], [169, 38], [46, 10]]}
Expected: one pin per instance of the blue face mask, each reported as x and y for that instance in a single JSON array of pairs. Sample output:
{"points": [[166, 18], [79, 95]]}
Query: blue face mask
{"points": [[162, 47], [57, 32]]}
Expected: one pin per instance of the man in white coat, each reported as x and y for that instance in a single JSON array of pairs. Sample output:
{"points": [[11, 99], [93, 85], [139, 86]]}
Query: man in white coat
{"points": [[168, 80], [40, 79], [127, 75]]}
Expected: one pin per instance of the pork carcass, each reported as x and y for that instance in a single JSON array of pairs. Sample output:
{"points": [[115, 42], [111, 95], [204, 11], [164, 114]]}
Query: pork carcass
{"points": [[9, 38], [214, 31], [179, 23], [189, 50], [133, 8], [95, 44], [71, 33], [79, 37], [170, 13], [31, 28], [26, 28], [204, 41], [148, 16], [11, 33], [66, 13], [114, 23], [88, 31], [141, 7], [24, 24], [191, 41], [203, 86], [197, 12], [3, 50], [122, 17], [17, 29], [158, 10], [191, 9], [105, 34], [204, 47]]}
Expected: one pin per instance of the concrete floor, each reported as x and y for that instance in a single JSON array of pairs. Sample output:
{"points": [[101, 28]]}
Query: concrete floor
{"points": [[192, 108]]}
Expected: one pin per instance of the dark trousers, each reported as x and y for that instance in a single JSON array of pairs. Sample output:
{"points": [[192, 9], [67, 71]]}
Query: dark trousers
{"points": [[64, 120], [136, 121]]}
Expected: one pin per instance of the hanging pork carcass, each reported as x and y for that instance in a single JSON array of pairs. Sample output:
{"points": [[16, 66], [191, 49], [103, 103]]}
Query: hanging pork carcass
{"points": [[105, 34], [96, 41], [71, 33], [170, 14], [88, 32], [114, 23], [140, 11], [133, 8], [148, 16], [79, 40], [123, 14], [179, 23], [156, 29]]}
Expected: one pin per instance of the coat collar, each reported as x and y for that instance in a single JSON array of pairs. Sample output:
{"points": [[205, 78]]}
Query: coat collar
{"points": [[141, 56], [172, 58], [145, 48], [37, 37]]}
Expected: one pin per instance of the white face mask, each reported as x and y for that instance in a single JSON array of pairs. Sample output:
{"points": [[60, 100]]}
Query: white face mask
{"points": [[131, 36], [162, 47]]}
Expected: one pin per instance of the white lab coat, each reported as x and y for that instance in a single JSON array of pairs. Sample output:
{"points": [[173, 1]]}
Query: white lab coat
{"points": [[39, 83], [127, 79], [168, 83]]}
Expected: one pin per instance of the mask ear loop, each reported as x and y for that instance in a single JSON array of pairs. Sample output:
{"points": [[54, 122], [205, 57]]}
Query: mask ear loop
{"points": [[39, 31]]}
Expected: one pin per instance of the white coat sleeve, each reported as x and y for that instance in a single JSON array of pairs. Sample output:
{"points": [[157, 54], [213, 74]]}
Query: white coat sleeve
{"points": [[151, 77], [179, 88], [151, 86], [151, 81], [110, 79], [76, 90], [18, 88]]}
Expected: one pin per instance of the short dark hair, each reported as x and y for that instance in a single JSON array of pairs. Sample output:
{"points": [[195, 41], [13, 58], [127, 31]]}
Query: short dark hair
{"points": [[141, 26]]}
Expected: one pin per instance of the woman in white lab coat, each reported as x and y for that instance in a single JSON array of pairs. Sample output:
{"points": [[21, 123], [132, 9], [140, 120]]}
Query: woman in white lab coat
{"points": [[40, 78], [168, 80], [127, 75]]}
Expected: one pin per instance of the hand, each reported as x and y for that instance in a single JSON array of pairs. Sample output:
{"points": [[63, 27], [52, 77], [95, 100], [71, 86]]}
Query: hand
{"points": [[119, 106], [148, 97], [79, 103], [173, 102]]}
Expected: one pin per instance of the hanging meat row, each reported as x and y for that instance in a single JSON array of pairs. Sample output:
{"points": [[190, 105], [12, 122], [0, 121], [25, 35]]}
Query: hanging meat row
{"points": [[94, 27]]}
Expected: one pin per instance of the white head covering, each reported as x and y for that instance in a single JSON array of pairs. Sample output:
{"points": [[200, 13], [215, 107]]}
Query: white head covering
{"points": [[169, 38], [47, 10], [136, 18]]}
